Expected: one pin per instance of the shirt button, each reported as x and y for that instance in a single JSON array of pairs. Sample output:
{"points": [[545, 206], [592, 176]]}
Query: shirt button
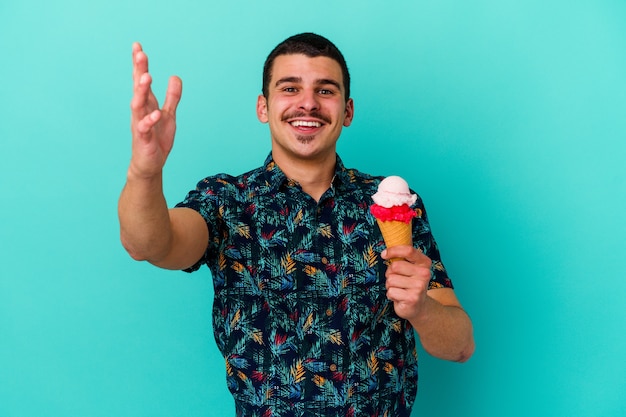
{"points": [[333, 367], [329, 312]]}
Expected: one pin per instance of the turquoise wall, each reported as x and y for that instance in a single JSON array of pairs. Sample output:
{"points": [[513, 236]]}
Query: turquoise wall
{"points": [[508, 117]]}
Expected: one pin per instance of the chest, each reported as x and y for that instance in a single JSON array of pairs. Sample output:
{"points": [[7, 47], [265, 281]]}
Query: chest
{"points": [[295, 245]]}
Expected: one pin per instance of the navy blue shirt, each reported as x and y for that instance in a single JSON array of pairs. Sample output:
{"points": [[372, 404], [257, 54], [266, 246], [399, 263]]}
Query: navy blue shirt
{"points": [[300, 310]]}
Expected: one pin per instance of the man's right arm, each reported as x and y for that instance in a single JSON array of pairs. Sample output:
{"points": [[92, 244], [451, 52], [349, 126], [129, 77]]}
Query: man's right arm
{"points": [[169, 238]]}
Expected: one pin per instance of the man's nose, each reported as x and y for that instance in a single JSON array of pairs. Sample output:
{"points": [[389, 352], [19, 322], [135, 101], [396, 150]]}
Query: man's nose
{"points": [[309, 100]]}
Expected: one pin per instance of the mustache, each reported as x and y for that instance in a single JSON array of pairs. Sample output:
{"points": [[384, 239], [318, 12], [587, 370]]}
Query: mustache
{"points": [[300, 114]]}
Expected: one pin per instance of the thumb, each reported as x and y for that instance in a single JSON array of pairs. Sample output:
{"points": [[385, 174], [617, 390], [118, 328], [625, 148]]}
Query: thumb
{"points": [[173, 94]]}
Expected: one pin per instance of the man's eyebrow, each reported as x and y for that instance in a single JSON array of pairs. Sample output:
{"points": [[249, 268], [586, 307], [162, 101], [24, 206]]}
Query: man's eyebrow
{"points": [[321, 81], [325, 81], [288, 80]]}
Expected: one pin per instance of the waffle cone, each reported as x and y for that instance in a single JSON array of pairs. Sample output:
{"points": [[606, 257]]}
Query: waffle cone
{"points": [[396, 233]]}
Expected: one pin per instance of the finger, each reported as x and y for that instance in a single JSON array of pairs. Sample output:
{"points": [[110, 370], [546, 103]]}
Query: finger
{"points": [[407, 274], [418, 281], [173, 94], [419, 258], [407, 252], [411, 254], [397, 294], [145, 124], [140, 63], [136, 48], [394, 252], [405, 303], [141, 96]]}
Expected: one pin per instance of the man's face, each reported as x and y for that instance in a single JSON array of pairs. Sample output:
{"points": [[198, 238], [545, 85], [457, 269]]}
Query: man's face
{"points": [[306, 107]]}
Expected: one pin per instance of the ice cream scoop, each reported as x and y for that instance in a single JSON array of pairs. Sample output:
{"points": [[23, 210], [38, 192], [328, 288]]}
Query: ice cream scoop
{"points": [[393, 191]]}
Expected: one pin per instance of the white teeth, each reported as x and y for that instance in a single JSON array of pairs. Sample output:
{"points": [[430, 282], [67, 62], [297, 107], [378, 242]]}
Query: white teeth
{"points": [[305, 124]]}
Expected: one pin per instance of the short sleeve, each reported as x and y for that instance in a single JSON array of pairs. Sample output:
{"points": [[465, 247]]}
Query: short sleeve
{"points": [[204, 200], [424, 239]]}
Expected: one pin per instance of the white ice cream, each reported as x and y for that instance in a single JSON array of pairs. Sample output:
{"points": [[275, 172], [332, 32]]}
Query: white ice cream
{"points": [[393, 191]]}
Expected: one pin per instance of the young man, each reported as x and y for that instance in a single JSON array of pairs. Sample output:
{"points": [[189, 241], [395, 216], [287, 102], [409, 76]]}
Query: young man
{"points": [[310, 318]]}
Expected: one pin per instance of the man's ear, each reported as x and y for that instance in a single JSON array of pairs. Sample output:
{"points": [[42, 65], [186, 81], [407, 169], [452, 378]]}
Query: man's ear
{"points": [[261, 109], [349, 115]]}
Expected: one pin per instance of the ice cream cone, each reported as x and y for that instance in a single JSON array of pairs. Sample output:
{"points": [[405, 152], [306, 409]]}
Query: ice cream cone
{"points": [[396, 233], [392, 210]]}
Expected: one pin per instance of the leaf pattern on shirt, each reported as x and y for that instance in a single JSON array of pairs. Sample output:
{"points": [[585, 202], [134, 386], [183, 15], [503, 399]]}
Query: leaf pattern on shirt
{"points": [[300, 312]]}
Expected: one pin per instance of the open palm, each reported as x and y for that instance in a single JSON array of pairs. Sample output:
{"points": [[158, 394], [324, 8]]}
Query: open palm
{"points": [[153, 128]]}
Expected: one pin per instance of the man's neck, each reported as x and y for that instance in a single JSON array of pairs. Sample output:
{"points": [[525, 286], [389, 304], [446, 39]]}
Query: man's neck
{"points": [[315, 177]]}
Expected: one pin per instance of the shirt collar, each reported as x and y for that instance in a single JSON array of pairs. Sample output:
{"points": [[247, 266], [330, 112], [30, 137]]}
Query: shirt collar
{"points": [[274, 177]]}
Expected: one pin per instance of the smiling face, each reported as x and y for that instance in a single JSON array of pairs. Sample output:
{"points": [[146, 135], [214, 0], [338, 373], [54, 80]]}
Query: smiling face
{"points": [[305, 107]]}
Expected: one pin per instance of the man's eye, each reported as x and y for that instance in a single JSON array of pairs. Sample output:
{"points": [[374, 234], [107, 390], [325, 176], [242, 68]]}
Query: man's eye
{"points": [[289, 89], [325, 92]]}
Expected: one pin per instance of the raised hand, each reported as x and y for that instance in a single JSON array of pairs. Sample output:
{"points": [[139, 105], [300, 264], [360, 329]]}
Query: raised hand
{"points": [[152, 128]]}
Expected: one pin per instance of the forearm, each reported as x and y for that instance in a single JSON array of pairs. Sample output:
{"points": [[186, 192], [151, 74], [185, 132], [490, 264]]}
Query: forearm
{"points": [[445, 331], [145, 228]]}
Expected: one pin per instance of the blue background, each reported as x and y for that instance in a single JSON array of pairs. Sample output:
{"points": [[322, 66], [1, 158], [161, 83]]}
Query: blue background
{"points": [[507, 116]]}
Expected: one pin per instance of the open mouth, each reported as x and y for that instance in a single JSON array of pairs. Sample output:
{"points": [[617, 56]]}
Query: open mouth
{"points": [[306, 121], [305, 124]]}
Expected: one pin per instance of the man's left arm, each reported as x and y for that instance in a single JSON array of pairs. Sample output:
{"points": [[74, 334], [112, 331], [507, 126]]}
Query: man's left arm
{"points": [[444, 328]]}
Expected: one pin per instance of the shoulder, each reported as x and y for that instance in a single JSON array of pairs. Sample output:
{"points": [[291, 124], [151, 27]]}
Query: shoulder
{"points": [[354, 180], [219, 189], [223, 182], [368, 183]]}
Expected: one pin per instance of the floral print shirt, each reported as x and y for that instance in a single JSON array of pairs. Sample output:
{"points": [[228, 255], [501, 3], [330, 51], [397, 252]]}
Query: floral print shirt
{"points": [[300, 312]]}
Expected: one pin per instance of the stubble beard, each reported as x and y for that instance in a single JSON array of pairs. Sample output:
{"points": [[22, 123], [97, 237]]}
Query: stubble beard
{"points": [[305, 139]]}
